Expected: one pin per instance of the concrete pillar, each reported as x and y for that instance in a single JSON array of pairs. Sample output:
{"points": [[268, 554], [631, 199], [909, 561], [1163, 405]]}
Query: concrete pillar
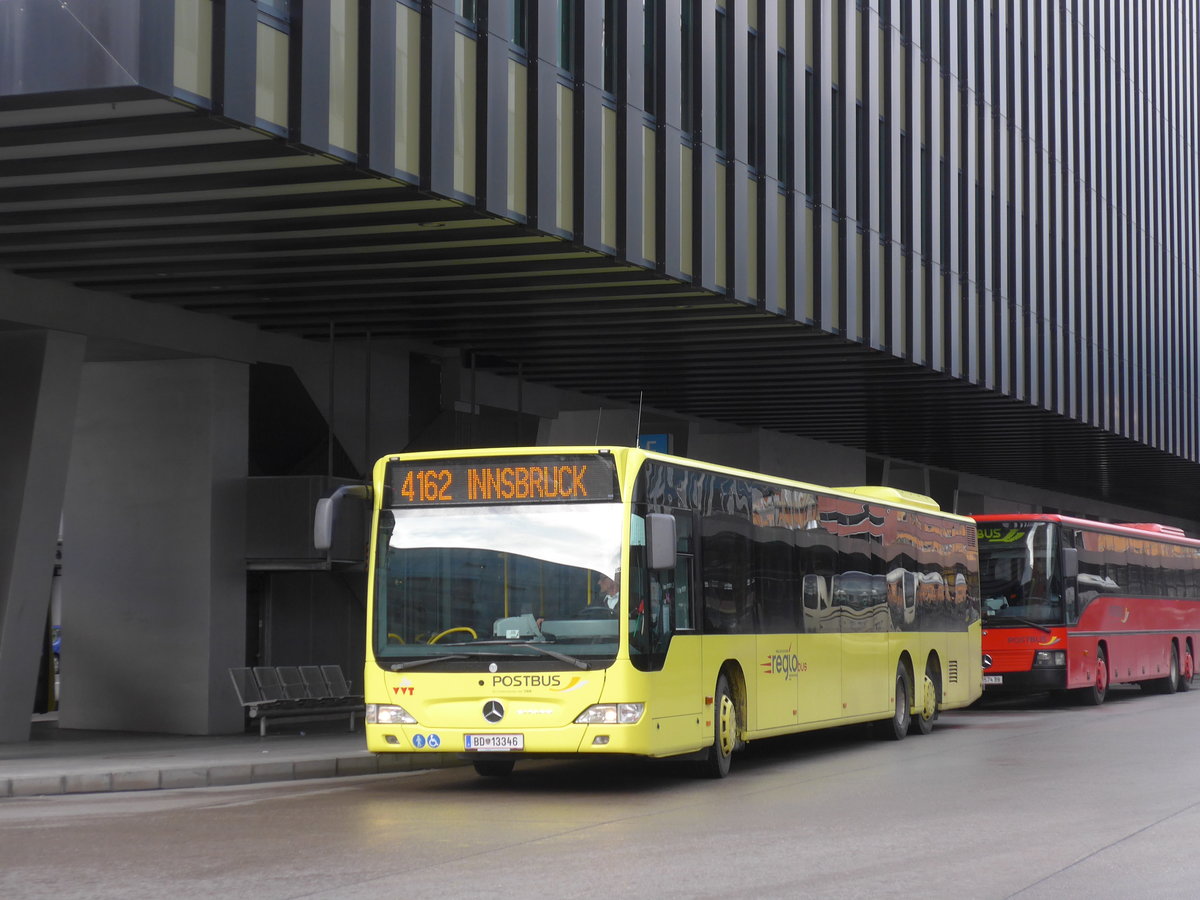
{"points": [[154, 577], [39, 381]]}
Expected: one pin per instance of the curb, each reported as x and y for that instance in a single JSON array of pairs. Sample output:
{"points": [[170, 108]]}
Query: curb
{"points": [[225, 775]]}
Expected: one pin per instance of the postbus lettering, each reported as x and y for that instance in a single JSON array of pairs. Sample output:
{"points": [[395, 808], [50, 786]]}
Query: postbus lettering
{"points": [[526, 681]]}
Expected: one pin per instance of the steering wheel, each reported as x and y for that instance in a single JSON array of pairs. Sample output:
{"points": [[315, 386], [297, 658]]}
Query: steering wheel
{"points": [[466, 628], [598, 611]]}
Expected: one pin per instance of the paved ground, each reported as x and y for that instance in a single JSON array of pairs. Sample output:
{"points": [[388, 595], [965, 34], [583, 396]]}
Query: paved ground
{"points": [[63, 761], [1031, 800]]}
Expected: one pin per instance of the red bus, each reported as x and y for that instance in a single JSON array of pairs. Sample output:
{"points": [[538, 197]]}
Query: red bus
{"points": [[1075, 605]]}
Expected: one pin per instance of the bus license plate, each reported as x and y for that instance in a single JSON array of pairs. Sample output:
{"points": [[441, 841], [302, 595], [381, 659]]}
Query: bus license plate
{"points": [[993, 679], [494, 741]]}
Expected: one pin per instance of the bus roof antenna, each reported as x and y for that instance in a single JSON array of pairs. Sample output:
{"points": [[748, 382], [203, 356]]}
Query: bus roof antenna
{"points": [[599, 415], [637, 437]]}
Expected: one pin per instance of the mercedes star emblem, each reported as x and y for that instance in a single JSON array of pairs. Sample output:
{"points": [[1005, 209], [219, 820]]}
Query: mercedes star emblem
{"points": [[493, 711]]}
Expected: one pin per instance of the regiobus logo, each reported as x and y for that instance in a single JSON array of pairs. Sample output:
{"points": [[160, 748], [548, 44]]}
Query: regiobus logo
{"points": [[785, 663]]}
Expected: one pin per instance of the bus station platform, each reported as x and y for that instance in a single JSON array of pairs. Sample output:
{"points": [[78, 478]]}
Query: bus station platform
{"points": [[65, 761]]}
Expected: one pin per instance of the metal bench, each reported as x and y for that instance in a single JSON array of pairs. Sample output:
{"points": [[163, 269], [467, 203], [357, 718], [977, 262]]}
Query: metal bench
{"points": [[300, 693]]}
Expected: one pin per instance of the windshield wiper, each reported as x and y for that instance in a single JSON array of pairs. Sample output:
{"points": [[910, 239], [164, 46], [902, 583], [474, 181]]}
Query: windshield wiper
{"points": [[572, 660], [1020, 621], [411, 664]]}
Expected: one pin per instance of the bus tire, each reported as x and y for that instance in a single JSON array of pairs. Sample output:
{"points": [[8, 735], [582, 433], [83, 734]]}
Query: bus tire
{"points": [[720, 754], [927, 702], [1187, 670], [895, 728], [1169, 684], [494, 768], [1094, 695]]}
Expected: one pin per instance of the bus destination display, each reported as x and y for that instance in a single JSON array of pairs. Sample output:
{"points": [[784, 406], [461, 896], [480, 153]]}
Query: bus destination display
{"points": [[524, 480]]}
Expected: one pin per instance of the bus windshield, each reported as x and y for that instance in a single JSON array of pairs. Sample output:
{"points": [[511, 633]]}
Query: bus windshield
{"points": [[1018, 573], [480, 583]]}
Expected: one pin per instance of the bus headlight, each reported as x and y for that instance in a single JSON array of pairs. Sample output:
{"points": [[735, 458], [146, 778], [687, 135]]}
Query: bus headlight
{"points": [[612, 714], [1050, 658], [380, 714]]}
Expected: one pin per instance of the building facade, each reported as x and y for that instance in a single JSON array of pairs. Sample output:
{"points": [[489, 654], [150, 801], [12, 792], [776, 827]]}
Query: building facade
{"points": [[947, 245]]}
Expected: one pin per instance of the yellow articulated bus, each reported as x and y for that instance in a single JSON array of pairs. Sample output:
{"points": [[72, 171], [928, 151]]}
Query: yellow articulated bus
{"points": [[584, 601]]}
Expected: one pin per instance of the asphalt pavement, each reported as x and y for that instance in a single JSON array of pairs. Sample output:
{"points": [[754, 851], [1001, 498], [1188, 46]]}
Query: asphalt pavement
{"points": [[66, 761]]}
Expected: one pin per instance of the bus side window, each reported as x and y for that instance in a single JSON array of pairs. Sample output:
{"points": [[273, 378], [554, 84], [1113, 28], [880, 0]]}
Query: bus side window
{"points": [[659, 614], [668, 607], [681, 606], [670, 591], [685, 565]]}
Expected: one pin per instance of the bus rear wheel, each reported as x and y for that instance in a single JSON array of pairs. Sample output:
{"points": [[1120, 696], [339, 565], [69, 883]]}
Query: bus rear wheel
{"points": [[1094, 695], [1187, 671], [1169, 684], [494, 768], [720, 754], [895, 728], [927, 701]]}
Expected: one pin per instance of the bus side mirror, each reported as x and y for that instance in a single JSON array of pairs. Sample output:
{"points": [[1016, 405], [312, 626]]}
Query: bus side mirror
{"points": [[660, 541], [327, 512], [1070, 562]]}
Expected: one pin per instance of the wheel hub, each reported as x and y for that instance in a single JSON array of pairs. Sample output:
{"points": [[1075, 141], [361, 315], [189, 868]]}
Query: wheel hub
{"points": [[726, 724], [928, 698]]}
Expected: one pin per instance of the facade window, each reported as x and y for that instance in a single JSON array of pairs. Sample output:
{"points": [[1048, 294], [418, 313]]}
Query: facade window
{"points": [[946, 223], [862, 178], [885, 181], [943, 249], [838, 162], [466, 9], [722, 116], [906, 191], [812, 134], [687, 62], [926, 30], [650, 53], [926, 201], [608, 37], [520, 24], [566, 35], [753, 100], [964, 246], [276, 13], [783, 120]]}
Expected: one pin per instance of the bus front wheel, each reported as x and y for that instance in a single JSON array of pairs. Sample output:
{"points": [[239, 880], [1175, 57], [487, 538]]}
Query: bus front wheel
{"points": [[1094, 695], [720, 754]]}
